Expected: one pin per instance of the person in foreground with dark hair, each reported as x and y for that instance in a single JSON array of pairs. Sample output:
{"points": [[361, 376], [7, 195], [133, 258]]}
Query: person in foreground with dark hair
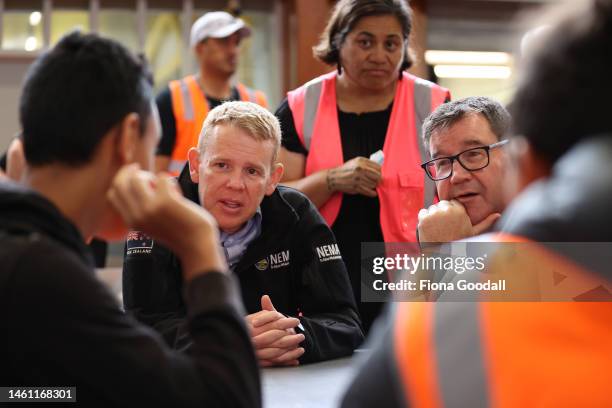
{"points": [[351, 138], [89, 123], [526, 354]]}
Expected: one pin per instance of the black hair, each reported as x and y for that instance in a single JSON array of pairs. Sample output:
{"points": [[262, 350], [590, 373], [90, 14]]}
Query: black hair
{"points": [[75, 93], [345, 16], [564, 94]]}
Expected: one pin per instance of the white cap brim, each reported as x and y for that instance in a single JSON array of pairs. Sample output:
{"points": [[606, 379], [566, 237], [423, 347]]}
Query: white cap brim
{"points": [[237, 26], [231, 29]]}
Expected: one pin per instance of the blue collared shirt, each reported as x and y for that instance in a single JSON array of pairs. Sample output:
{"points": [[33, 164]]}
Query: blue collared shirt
{"points": [[235, 244]]}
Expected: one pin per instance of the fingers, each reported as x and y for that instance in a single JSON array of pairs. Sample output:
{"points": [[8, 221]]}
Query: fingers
{"points": [[367, 191], [358, 175], [290, 341], [364, 181], [289, 355], [485, 224], [367, 179], [266, 303], [277, 339], [269, 353], [455, 203], [359, 185], [168, 185], [266, 339], [269, 363], [141, 196], [373, 174], [444, 221], [120, 194], [365, 164], [422, 214], [141, 188], [284, 323], [279, 355], [266, 317], [249, 318], [442, 206], [368, 175]]}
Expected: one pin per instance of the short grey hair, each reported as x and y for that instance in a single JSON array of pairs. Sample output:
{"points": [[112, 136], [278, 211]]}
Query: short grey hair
{"points": [[255, 120], [450, 113]]}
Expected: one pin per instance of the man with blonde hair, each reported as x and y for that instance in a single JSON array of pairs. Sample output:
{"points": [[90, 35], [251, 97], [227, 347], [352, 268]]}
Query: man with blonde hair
{"points": [[294, 283]]}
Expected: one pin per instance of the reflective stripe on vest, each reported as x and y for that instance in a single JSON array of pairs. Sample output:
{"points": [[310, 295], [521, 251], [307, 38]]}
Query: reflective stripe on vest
{"points": [[190, 108], [505, 354], [252, 95], [404, 189]]}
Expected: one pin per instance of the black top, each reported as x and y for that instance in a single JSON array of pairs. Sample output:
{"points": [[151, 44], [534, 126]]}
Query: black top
{"points": [[294, 260], [359, 217], [577, 198], [168, 122], [62, 327]]}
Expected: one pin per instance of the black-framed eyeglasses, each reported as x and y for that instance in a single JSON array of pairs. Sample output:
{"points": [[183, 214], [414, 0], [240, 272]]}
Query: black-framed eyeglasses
{"points": [[472, 159]]}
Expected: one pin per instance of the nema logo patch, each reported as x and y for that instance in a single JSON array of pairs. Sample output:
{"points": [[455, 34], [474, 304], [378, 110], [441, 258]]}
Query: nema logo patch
{"points": [[273, 261], [262, 265], [328, 252], [279, 259]]}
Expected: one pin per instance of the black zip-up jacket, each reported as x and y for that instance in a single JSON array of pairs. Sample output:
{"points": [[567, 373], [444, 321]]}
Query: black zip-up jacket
{"points": [[295, 260], [62, 327]]}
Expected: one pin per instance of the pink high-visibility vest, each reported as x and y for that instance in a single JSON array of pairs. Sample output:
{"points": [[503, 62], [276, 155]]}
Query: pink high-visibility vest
{"points": [[405, 188]]}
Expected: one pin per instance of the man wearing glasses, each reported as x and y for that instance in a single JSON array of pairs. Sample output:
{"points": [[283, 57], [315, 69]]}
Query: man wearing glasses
{"points": [[464, 139]]}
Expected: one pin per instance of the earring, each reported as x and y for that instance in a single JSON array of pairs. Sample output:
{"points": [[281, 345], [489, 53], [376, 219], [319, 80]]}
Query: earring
{"points": [[339, 69]]}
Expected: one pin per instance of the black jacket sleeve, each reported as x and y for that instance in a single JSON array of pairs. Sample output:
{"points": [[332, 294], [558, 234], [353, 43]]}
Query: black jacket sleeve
{"points": [[71, 323], [327, 304], [152, 287]]}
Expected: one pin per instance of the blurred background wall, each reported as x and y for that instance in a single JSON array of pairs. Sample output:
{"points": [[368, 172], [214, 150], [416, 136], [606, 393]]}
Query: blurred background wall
{"points": [[278, 57]]}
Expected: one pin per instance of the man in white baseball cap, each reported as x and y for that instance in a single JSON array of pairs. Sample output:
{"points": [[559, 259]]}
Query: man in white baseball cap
{"points": [[215, 39], [217, 24]]}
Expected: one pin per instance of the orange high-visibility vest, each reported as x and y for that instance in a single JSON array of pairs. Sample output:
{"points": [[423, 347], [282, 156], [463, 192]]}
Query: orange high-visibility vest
{"points": [[190, 108], [404, 188], [506, 354]]}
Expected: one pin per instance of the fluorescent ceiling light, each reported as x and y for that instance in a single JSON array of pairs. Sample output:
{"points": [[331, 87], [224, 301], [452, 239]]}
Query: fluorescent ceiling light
{"points": [[435, 57], [35, 18], [30, 43], [472, 71]]}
